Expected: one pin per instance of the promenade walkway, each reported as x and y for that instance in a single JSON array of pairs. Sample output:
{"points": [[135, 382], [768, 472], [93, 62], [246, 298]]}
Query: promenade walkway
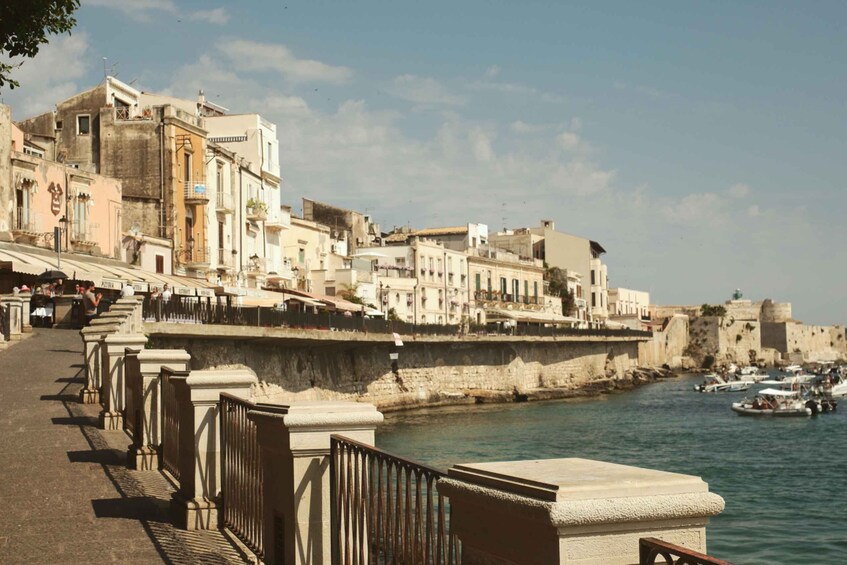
{"points": [[66, 495]]}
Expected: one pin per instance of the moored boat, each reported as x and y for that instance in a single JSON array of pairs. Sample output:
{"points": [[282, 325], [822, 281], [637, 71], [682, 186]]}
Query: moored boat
{"points": [[776, 402], [716, 383]]}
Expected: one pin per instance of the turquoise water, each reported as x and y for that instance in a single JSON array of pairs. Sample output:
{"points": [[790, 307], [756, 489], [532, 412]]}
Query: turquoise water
{"points": [[783, 479]]}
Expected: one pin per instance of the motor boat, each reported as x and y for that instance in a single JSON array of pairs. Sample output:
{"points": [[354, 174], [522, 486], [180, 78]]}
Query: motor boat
{"points": [[776, 402], [753, 373], [832, 384], [716, 383], [792, 369]]}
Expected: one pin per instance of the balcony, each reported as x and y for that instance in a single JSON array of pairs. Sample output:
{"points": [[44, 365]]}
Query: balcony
{"points": [[195, 191], [196, 257], [225, 203], [226, 260], [257, 211], [256, 267], [84, 235], [26, 222], [278, 220]]}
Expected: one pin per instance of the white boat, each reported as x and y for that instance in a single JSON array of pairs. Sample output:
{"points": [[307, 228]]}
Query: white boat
{"points": [[752, 373], [716, 383], [793, 369], [776, 402], [833, 384]]}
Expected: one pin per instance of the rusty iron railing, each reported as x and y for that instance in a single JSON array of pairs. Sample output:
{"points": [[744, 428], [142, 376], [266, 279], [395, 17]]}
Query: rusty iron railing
{"points": [[386, 509], [241, 473], [651, 549], [170, 421]]}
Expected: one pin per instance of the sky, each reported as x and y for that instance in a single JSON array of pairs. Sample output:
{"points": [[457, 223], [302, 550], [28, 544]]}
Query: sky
{"points": [[702, 144]]}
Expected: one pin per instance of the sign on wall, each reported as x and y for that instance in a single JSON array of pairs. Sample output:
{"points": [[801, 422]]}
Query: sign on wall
{"points": [[56, 192]]}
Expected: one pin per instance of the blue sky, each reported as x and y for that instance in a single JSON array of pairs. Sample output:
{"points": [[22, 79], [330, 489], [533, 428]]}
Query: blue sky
{"points": [[701, 143]]}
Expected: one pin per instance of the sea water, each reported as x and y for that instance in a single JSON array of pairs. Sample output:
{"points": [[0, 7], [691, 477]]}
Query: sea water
{"points": [[784, 480]]}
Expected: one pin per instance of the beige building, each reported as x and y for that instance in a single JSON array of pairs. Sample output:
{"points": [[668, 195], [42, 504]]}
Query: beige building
{"points": [[38, 195], [627, 302]]}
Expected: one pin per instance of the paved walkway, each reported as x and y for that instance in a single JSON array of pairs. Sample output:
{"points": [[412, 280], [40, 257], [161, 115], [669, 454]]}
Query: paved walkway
{"points": [[66, 495]]}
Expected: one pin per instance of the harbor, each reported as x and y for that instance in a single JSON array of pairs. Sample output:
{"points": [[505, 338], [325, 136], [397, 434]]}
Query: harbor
{"points": [[782, 478]]}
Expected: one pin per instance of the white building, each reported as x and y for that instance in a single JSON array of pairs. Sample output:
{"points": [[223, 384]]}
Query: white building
{"points": [[628, 302]]}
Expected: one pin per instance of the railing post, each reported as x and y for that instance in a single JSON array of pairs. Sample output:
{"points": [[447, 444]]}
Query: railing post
{"points": [[26, 304], [294, 443], [13, 305], [572, 510], [143, 389], [195, 504], [92, 341], [114, 385]]}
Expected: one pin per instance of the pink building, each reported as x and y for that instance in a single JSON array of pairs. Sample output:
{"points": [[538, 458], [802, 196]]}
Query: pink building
{"points": [[38, 194]]}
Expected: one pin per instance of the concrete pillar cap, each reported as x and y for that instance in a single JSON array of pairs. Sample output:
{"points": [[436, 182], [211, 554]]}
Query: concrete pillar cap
{"points": [[152, 355], [320, 414], [221, 378], [123, 339]]}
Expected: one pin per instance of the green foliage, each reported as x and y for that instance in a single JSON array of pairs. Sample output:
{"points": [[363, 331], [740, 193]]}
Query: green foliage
{"points": [[393, 316], [257, 204], [558, 286], [350, 293], [707, 310], [24, 27]]}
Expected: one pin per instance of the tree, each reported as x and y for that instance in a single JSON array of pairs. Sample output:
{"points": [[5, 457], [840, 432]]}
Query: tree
{"points": [[707, 310], [24, 27], [350, 293], [557, 285]]}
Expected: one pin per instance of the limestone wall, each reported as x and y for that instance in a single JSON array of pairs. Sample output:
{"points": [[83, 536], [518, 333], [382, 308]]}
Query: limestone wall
{"points": [[425, 373], [667, 346]]}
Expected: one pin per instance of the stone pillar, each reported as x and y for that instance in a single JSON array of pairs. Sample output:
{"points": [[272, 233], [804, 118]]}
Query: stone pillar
{"points": [[123, 318], [294, 443], [63, 311], [26, 300], [114, 391], [128, 309], [92, 340], [135, 301], [13, 306], [572, 511], [195, 504], [145, 390]]}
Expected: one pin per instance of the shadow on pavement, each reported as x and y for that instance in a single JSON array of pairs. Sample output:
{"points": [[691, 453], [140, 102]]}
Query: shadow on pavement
{"points": [[135, 508], [76, 421], [100, 456]]}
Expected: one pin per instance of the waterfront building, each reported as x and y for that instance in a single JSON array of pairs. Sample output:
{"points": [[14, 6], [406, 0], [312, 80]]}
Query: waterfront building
{"points": [[158, 153], [509, 287], [39, 194], [629, 307], [435, 275], [356, 228], [310, 248], [576, 255]]}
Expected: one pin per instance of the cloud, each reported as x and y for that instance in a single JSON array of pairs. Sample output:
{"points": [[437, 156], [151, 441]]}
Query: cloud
{"points": [[694, 208], [492, 71], [519, 126], [139, 10], [423, 90], [50, 76], [253, 56], [514, 88], [568, 140], [646, 91], [739, 190], [754, 211], [217, 16]]}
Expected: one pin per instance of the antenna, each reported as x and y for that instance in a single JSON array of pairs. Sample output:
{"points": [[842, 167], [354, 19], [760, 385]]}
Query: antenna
{"points": [[504, 216], [104, 67]]}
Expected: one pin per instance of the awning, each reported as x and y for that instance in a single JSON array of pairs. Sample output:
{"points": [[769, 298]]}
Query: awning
{"points": [[528, 316], [105, 273]]}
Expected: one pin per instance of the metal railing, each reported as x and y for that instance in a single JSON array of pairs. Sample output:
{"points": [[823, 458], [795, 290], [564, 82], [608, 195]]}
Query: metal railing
{"points": [[122, 113], [84, 233], [199, 254], [26, 220], [170, 421], [181, 311], [241, 473], [386, 509], [650, 549], [195, 190]]}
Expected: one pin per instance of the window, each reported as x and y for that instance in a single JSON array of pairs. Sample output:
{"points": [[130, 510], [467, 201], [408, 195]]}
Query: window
{"points": [[478, 281], [526, 288], [593, 299], [516, 289], [83, 124], [504, 289], [593, 277], [535, 289], [220, 177], [160, 264], [58, 125], [186, 166], [301, 255]]}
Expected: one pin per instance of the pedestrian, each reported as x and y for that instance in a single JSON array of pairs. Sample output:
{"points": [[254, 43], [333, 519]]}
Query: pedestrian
{"points": [[77, 290], [155, 294], [127, 290], [90, 302], [166, 293]]}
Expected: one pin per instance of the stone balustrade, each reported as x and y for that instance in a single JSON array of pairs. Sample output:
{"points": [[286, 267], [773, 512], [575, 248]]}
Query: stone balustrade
{"points": [[573, 511], [13, 317], [294, 443], [195, 505], [92, 340], [144, 397], [114, 385]]}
